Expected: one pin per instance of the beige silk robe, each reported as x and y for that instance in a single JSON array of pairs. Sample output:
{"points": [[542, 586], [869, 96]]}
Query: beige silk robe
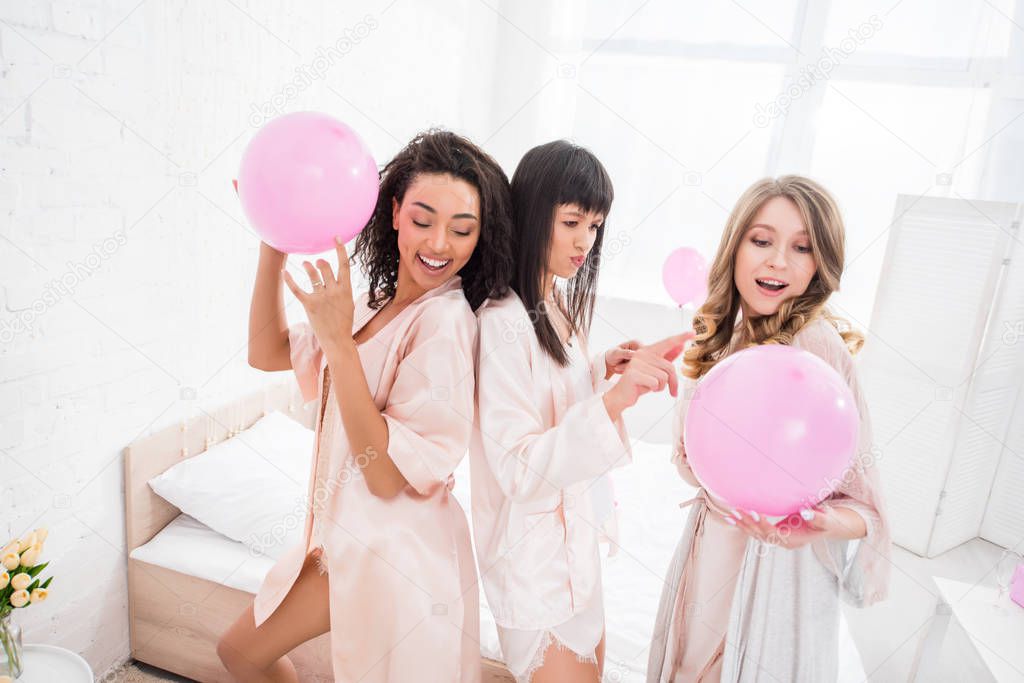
{"points": [[403, 596], [734, 609], [539, 462]]}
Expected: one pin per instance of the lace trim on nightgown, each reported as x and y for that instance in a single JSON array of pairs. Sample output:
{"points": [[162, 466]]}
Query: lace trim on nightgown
{"points": [[321, 559], [538, 658]]}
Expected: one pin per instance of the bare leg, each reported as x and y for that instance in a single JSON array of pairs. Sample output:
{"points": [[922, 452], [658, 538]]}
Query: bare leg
{"points": [[599, 651], [562, 665], [258, 655]]}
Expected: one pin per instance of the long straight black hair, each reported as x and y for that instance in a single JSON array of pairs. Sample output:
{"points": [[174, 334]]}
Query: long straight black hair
{"points": [[548, 176]]}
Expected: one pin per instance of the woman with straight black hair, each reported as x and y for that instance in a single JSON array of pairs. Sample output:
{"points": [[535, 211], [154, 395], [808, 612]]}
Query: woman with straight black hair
{"points": [[549, 422]]}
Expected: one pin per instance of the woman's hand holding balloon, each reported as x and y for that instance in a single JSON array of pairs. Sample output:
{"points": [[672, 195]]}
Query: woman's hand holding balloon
{"points": [[330, 306], [799, 529]]}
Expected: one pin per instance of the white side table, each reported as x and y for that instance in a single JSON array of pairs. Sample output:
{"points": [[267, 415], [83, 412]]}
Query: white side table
{"points": [[995, 641], [49, 663]]}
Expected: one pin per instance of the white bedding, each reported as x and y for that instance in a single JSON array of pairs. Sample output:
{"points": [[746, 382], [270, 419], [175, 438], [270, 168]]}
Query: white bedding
{"points": [[648, 495], [190, 547]]}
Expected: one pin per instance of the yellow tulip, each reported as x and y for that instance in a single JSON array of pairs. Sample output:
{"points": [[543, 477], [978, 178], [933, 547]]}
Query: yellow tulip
{"points": [[5, 579], [39, 594], [10, 561], [19, 598], [20, 580]]}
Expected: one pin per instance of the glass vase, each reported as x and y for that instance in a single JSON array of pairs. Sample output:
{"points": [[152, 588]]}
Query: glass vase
{"points": [[10, 647]]}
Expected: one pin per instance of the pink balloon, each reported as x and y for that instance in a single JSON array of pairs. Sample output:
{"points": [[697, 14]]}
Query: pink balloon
{"points": [[306, 177], [685, 274], [771, 428]]}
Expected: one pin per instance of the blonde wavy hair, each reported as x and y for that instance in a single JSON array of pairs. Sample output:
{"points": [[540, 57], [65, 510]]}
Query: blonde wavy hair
{"points": [[715, 322]]}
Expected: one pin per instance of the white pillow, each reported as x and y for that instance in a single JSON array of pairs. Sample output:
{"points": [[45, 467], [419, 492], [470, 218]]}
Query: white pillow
{"points": [[251, 488]]}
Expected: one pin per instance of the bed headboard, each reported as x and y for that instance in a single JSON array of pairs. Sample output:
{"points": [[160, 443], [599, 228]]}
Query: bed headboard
{"points": [[146, 513]]}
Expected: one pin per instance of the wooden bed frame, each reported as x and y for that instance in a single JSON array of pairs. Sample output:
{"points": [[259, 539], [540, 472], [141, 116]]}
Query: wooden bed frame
{"points": [[175, 620]]}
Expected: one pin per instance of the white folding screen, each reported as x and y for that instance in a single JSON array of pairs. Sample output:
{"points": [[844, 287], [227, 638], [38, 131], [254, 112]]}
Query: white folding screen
{"points": [[1003, 522], [993, 391], [936, 393]]}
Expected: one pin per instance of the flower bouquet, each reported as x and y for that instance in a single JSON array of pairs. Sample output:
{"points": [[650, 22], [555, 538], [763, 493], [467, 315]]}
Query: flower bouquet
{"points": [[19, 588]]}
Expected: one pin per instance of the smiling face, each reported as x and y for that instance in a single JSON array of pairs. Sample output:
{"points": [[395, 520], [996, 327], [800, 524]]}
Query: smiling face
{"points": [[438, 224], [773, 261], [572, 237]]}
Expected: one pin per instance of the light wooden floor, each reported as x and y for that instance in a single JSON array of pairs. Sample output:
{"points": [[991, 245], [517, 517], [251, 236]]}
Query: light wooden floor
{"points": [[887, 635], [137, 672]]}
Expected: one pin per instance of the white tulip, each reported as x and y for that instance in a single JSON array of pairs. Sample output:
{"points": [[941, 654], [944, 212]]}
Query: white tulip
{"points": [[20, 580], [39, 594], [28, 542], [31, 556], [10, 561], [19, 598], [5, 579]]}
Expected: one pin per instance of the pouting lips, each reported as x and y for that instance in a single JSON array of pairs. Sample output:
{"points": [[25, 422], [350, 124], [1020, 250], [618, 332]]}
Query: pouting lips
{"points": [[432, 264], [772, 285]]}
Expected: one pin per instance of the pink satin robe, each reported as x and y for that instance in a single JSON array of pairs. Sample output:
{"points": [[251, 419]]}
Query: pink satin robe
{"points": [[717, 550], [537, 458], [403, 595]]}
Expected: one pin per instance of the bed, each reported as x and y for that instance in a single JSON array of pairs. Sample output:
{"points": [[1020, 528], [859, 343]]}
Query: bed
{"points": [[187, 583]]}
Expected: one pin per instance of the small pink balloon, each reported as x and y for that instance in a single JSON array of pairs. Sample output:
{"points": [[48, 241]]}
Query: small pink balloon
{"points": [[771, 428], [306, 177], [685, 275]]}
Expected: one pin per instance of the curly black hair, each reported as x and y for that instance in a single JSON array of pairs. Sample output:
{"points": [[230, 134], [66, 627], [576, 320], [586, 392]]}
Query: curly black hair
{"points": [[489, 269]]}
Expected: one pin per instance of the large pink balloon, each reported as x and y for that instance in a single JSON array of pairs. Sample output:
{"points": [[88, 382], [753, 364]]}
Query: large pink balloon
{"points": [[685, 275], [771, 428], [306, 177]]}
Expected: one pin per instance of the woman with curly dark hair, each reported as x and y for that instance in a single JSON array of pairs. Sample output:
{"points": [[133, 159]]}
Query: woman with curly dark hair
{"points": [[386, 563]]}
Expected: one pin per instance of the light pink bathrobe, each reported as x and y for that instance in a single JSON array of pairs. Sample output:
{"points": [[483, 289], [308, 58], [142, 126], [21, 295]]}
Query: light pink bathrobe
{"points": [[403, 596], [538, 458], [735, 610]]}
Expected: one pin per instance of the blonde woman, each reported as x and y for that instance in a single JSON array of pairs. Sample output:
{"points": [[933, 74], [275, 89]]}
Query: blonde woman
{"points": [[745, 599]]}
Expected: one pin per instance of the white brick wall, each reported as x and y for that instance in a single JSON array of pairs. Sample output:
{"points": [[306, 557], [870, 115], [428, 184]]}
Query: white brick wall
{"points": [[124, 122]]}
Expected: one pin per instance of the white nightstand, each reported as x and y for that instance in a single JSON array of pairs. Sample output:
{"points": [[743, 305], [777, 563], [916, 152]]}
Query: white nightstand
{"points": [[49, 663], [995, 651]]}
